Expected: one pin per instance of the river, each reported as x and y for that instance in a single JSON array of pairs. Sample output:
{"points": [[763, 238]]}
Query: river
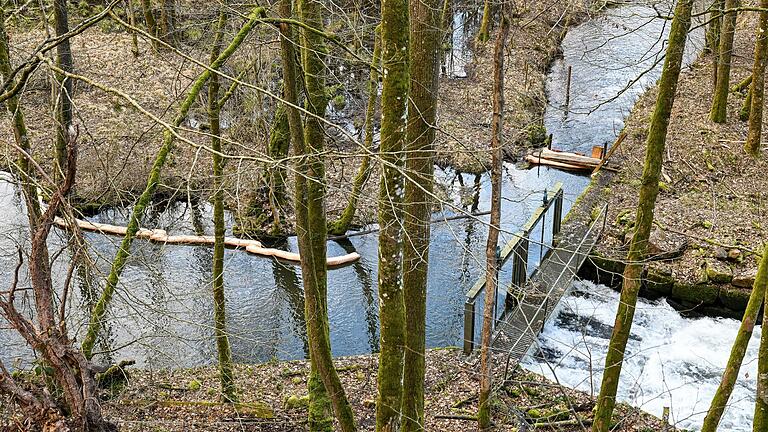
{"points": [[162, 313]]}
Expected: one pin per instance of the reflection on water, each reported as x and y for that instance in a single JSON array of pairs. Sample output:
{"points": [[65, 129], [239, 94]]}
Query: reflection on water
{"points": [[161, 315], [614, 57]]}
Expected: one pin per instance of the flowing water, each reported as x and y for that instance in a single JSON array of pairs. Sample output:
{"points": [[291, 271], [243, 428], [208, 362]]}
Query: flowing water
{"points": [[672, 361], [162, 313]]}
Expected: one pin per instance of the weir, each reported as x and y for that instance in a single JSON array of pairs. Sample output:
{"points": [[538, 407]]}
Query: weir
{"points": [[530, 300]]}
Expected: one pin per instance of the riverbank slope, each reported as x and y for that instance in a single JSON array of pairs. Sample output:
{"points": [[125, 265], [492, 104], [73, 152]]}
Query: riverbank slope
{"points": [[273, 396], [712, 210]]}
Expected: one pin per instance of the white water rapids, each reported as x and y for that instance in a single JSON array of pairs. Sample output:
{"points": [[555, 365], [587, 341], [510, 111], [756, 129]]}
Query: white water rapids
{"points": [[671, 360]]}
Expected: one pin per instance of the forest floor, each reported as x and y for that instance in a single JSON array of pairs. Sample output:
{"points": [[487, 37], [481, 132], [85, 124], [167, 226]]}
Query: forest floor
{"points": [[118, 144], [180, 400], [712, 204]]}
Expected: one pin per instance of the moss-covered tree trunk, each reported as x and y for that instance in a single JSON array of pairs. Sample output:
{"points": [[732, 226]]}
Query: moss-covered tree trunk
{"points": [[760, 422], [485, 24], [64, 93], [746, 106], [649, 189], [279, 145], [731, 372], [341, 226], [320, 410], [132, 22], [719, 111], [491, 258], [123, 252], [20, 132], [713, 36], [149, 20], [311, 225], [167, 28], [425, 40], [394, 97], [226, 371], [757, 88]]}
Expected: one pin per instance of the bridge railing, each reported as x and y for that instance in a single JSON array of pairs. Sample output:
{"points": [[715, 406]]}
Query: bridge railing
{"points": [[517, 249]]}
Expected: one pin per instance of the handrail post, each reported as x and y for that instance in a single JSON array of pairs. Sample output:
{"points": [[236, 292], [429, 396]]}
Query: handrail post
{"points": [[557, 217], [469, 326]]}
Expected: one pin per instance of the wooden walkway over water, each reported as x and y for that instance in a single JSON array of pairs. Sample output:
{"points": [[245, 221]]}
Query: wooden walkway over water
{"points": [[530, 300]]}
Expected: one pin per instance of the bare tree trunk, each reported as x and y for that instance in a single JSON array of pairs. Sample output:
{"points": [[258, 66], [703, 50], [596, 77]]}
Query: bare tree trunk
{"points": [[424, 69], [118, 263], [757, 89], [226, 372], [48, 337], [64, 106], [132, 22], [649, 190], [713, 36], [719, 110], [731, 372], [394, 97], [311, 226], [491, 256], [342, 225]]}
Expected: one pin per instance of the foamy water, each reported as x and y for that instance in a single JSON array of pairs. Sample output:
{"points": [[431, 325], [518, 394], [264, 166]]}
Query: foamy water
{"points": [[671, 360]]}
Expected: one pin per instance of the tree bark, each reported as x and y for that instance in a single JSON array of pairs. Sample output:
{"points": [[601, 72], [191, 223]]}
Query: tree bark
{"points": [[320, 410], [719, 111], [226, 371], [731, 372], [341, 226], [149, 20], [757, 88], [311, 227], [168, 22], [118, 263], [132, 21], [279, 145], [649, 190], [64, 106], [394, 96], [760, 422], [746, 106], [491, 255], [20, 133], [485, 24], [713, 36], [425, 40]]}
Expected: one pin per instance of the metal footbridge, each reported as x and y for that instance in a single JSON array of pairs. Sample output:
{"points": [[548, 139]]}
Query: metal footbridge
{"points": [[535, 288]]}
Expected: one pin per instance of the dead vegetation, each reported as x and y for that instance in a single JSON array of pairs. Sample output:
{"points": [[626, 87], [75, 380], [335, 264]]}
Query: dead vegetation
{"points": [[712, 208], [274, 399]]}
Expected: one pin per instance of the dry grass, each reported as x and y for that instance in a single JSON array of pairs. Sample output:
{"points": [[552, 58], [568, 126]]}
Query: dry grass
{"points": [[151, 400], [713, 191]]}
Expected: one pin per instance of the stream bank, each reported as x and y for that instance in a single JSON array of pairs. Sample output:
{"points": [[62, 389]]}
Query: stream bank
{"points": [[712, 209], [118, 144]]}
